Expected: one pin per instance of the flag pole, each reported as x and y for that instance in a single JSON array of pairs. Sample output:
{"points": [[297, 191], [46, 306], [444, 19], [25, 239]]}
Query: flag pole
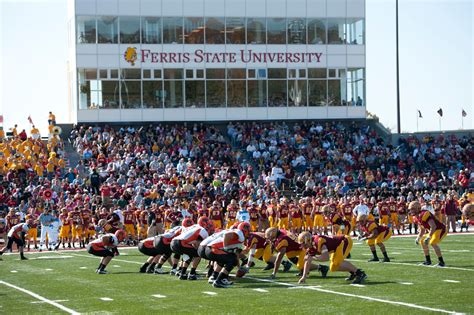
{"points": [[399, 128], [439, 123], [462, 122], [417, 117]]}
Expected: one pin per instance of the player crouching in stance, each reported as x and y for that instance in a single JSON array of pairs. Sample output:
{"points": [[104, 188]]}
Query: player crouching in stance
{"points": [[158, 248], [17, 235], [335, 249], [437, 231], [106, 247], [375, 235], [259, 248], [286, 244], [225, 250], [186, 245]]}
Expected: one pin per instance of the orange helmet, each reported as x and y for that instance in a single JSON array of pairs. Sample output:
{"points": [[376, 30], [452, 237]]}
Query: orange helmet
{"points": [[245, 228], [120, 235], [204, 222], [187, 222]]}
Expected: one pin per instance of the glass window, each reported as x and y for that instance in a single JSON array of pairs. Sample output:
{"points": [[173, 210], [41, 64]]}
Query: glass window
{"points": [[235, 73], [297, 95], [278, 73], [276, 30], [157, 73], [317, 73], [189, 74], [356, 87], [96, 94], [86, 30], [130, 92], [173, 93], [151, 30], [173, 74], [336, 92], [90, 74], [129, 30], [236, 93], [277, 93], [84, 94], [215, 93], [316, 31], [173, 30], [114, 74], [336, 31], [355, 31], [296, 31], [131, 74], [194, 30], [110, 94], [195, 94], [215, 73], [107, 30], [199, 74], [215, 29], [152, 94], [257, 93], [235, 30], [146, 74], [103, 73], [256, 31], [331, 73], [317, 92]]}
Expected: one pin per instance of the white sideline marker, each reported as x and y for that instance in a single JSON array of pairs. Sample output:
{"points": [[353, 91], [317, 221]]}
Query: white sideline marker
{"points": [[106, 299], [406, 283], [39, 297], [452, 281], [82, 267], [261, 290], [358, 285], [395, 253], [13, 271], [209, 293], [116, 266], [48, 269], [159, 296]]}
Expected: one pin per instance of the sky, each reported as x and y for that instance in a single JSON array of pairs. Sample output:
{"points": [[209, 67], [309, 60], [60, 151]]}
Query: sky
{"points": [[436, 62]]}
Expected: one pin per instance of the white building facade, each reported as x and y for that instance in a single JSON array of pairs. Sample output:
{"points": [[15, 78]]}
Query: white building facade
{"points": [[216, 60]]}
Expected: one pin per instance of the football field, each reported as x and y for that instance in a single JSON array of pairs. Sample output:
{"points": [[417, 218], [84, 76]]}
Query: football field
{"points": [[65, 282]]}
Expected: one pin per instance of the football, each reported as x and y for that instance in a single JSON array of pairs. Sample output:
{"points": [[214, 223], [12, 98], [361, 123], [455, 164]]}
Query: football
{"points": [[241, 272]]}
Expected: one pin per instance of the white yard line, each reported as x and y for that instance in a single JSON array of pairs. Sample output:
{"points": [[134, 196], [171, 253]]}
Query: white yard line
{"points": [[106, 299], [416, 265], [452, 281], [363, 297], [39, 297], [159, 296], [209, 293], [261, 290]]}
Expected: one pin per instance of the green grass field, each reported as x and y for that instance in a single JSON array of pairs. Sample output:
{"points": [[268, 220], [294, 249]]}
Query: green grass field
{"points": [[393, 288]]}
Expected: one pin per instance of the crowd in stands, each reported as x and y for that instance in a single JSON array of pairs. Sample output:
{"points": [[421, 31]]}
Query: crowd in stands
{"points": [[153, 175]]}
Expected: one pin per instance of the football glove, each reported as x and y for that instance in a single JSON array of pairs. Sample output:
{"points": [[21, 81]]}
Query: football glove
{"points": [[417, 241], [427, 241]]}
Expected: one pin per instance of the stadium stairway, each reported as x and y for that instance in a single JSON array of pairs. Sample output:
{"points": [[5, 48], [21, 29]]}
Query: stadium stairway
{"points": [[72, 157]]}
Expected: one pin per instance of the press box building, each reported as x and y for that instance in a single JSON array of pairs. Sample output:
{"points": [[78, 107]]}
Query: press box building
{"points": [[216, 60]]}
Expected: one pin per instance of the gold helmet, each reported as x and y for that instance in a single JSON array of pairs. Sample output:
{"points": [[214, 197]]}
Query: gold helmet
{"points": [[271, 233], [305, 238], [361, 217], [468, 211], [414, 206], [57, 130], [326, 209]]}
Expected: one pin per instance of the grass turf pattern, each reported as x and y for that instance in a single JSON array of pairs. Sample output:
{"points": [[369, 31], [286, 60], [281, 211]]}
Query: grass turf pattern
{"points": [[126, 291]]}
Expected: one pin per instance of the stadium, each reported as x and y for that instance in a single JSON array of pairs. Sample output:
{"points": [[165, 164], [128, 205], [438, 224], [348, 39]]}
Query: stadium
{"points": [[221, 160]]}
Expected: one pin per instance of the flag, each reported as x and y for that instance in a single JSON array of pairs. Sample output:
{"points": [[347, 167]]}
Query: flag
{"points": [[1, 119], [30, 120], [419, 114], [440, 112], [464, 114]]}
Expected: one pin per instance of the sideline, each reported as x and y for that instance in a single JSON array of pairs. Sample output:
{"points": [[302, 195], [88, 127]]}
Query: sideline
{"points": [[39, 297], [414, 265], [315, 288]]}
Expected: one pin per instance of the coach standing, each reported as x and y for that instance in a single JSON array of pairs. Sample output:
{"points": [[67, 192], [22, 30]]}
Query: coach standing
{"points": [[45, 219], [450, 210]]}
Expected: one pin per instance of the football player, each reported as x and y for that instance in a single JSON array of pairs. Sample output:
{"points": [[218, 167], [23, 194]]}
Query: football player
{"points": [[17, 235], [375, 235], [258, 248], [106, 247], [332, 248], [286, 244], [437, 231]]}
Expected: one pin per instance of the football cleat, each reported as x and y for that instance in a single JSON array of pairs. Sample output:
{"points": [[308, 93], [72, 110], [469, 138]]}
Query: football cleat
{"points": [[173, 272], [324, 270], [160, 271], [23, 258], [299, 274], [439, 265], [211, 280], [386, 259], [373, 260], [227, 282], [286, 266], [269, 266], [219, 284], [351, 277], [102, 272], [359, 278], [426, 263], [192, 277], [183, 276]]}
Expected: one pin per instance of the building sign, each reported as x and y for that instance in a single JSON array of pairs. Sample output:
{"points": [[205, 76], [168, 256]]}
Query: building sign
{"points": [[200, 56]]}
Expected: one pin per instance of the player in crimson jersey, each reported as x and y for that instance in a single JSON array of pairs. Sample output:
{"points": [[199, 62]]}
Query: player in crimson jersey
{"points": [[216, 215], [319, 223], [384, 213], [259, 248], [286, 244], [129, 221], [437, 231], [296, 217], [283, 212], [33, 231], [339, 224], [307, 207], [332, 248], [254, 215], [86, 216], [231, 215], [65, 232], [375, 235], [106, 247]]}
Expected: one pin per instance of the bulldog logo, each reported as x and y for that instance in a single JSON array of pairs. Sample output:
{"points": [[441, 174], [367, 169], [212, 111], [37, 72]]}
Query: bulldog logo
{"points": [[130, 55]]}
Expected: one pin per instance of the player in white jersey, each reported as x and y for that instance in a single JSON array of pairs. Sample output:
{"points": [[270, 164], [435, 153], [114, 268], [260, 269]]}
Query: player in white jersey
{"points": [[17, 235], [106, 247]]}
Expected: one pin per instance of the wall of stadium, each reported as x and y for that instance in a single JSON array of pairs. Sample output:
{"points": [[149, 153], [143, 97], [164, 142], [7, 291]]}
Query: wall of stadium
{"points": [[213, 60]]}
